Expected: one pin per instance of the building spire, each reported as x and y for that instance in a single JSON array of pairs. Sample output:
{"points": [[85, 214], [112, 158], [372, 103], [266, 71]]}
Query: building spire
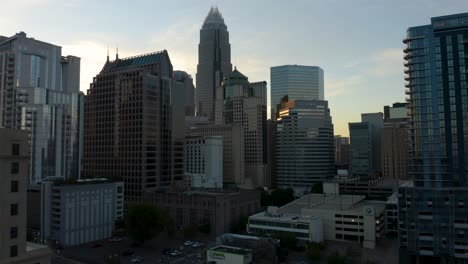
{"points": [[117, 53], [107, 53]]}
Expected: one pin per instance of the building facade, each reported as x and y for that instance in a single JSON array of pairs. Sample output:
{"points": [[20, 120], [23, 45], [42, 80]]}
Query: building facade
{"points": [[219, 209], [186, 81], [214, 62], [395, 150], [341, 151], [40, 93], [298, 82], [129, 128], [304, 153], [204, 161], [396, 111], [81, 211], [433, 219], [14, 158], [376, 123], [360, 149]]}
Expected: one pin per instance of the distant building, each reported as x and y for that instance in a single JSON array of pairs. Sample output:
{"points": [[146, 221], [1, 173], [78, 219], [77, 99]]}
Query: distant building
{"points": [[341, 151], [79, 212], [337, 217], [204, 161], [395, 150], [228, 255], [396, 111], [214, 62], [217, 208], [298, 82], [40, 93], [134, 125], [375, 121], [304, 144], [186, 81], [13, 182], [360, 149]]}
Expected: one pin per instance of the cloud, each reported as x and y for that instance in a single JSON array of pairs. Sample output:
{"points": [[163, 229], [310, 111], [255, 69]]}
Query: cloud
{"points": [[386, 62], [344, 85]]}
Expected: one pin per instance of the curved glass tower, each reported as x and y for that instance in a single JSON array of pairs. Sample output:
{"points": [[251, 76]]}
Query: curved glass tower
{"points": [[214, 62]]}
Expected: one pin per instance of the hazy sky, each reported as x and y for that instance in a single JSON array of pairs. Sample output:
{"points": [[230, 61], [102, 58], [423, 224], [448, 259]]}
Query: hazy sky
{"points": [[358, 43]]}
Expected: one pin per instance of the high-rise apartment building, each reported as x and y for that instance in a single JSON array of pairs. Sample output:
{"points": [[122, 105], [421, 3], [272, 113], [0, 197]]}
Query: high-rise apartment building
{"points": [[360, 149], [304, 153], [341, 151], [185, 80], [396, 111], [40, 93], [14, 159], [375, 121], [214, 62], [433, 218], [395, 149], [240, 104], [297, 82], [129, 124]]}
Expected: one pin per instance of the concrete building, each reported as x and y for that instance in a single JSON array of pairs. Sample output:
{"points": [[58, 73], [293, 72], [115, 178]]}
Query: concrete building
{"points": [[40, 93], [81, 211], [186, 81], [133, 129], [395, 150], [396, 111], [240, 104], [433, 220], [391, 209], [233, 151], [304, 144], [228, 255], [360, 149], [375, 189], [214, 62], [343, 217], [204, 161], [375, 121], [219, 209], [298, 82], [304, 228], [14, 157], [341, 151]]}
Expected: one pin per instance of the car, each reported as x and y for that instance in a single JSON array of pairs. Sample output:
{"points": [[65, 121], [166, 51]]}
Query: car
{"points": [[196, 244], [115, 239], [188, 243], [128, 252], [167, 251], [199, 255], [137, 259], [96, 246]]}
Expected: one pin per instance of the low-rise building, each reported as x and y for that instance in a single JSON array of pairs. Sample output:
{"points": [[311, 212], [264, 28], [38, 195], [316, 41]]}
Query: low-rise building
{"points": [[218, 209], [343, 217], [228, 255], [204, 161], [81, 211]]}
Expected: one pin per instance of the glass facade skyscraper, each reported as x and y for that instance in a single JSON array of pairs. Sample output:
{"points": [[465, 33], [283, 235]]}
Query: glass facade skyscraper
{"points": [[297, 82], [433, 219], [304, 152]]}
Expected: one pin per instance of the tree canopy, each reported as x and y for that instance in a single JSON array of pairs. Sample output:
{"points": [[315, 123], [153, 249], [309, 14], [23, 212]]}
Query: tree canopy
{"points": [[144, 222], [280, 197]]}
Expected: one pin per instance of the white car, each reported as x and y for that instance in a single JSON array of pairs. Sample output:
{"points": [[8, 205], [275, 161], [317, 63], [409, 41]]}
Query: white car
{"points": [[137, 259], [188, 243]]}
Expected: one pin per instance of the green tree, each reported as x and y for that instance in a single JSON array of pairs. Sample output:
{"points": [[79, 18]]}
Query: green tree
{"points": [[314, 251], [205, 228], [281, 197], [112, 259], [144, 222], [317, 188], [287, 240], [190, 231], [265, 198], [336, 258]]}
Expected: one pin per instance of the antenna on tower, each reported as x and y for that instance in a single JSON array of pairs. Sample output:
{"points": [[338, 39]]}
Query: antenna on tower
{"points": [[117, 52], [107, 52]]}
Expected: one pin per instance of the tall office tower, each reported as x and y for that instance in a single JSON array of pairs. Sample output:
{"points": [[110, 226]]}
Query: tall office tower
{"points": [[240, 104], [297, 82], [341, 159], [396, 111], [13, 182], [432, 213], [40, 93], [186, 81], [204, 161], [395, 150], [360, 149], [376, 124], [304, 143], [214, 62], [129, 124]]}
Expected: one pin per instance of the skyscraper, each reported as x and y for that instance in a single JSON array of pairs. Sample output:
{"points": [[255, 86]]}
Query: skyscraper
{"points": [[341, 151], [297, 82], [376, 124], [129, 124], [185, 80], [360, 149], [214, 62], [432, 214], [40, 93], [304, 143]]}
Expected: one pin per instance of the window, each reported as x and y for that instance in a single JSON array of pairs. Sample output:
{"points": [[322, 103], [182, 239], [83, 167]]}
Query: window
{"points": [[13, 232], [13, 209], [14, 186], [15, 149], [14, 168], [13, 251]]}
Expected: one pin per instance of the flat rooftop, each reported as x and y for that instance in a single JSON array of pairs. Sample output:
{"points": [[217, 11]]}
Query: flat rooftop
{"points": [[280, 217], [232, 250]]}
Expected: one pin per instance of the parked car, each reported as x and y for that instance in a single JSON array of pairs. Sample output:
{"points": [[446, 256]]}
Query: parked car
{"points": [[188, 243], [196, 244], [137, 259], [167, 251]]}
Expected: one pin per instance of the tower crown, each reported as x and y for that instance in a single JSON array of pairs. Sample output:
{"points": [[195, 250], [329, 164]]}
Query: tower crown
{"points": [[214, 17]]}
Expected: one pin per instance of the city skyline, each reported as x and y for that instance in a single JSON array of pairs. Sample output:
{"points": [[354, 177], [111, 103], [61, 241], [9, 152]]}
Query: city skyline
{"points": [[366, 66]]}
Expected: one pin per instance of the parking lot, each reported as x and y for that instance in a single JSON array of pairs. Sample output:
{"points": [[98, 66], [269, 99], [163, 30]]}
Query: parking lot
{"points": [[154, 251]]}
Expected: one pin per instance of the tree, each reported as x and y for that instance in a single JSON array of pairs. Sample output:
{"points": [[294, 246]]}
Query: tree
{"points": [[205, 228], [281, 197], [144, 222], [112, 259], [317, 188], [287, 240], [265, 198], [336, 258], [314, 251], [190, 231]]}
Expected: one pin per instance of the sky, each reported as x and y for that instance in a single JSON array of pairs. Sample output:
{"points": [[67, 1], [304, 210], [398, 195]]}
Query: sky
{"points": [[358, 43]]}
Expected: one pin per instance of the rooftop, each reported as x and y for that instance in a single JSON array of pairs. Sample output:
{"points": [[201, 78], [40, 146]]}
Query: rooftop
{"points": [[232, 250], [133, 62]]}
